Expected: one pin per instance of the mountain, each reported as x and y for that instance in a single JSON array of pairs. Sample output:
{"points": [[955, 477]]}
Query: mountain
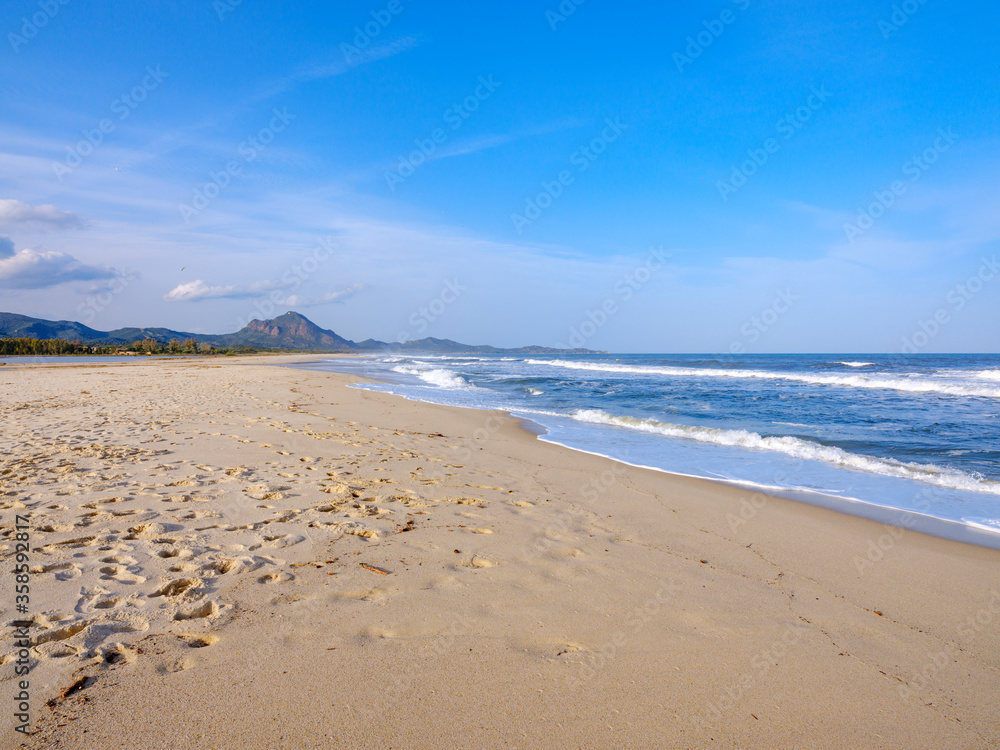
{"points": [[290, 331], [128, 335], [14, 326]]}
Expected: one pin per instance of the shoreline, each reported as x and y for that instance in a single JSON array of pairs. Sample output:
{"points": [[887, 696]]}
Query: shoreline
{"points": [[449, 580], [924, 523]]}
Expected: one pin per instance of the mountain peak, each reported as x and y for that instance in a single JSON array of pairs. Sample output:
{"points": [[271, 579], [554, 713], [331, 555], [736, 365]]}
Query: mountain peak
{"points": [[291, 331]]}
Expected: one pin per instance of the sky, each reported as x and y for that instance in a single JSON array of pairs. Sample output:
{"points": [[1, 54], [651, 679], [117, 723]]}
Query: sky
{"points": [[727, 176]]}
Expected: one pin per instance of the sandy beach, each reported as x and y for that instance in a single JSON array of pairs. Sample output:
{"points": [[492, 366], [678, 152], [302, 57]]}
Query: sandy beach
{"points": [[229, 553]]}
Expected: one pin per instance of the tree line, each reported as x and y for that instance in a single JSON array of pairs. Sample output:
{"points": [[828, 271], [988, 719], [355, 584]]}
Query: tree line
{"points": [[59, 347]]}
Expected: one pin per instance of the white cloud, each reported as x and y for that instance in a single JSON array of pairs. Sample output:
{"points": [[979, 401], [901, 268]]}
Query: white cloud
{"points": [[35, 269], [14, 212], [343, 293], [194, 291]]}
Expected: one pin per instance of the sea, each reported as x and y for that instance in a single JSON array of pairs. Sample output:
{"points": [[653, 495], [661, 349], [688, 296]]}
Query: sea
{"points": [[888, 437]]}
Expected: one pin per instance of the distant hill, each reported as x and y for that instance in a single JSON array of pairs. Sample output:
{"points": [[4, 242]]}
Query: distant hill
{"points": [[14, 326], [290, 332]]}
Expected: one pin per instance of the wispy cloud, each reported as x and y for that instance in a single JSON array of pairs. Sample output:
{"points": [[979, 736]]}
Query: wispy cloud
{"points": [[486, 142], [339, 295], [193, 291], [335, 68], [18, 213]]}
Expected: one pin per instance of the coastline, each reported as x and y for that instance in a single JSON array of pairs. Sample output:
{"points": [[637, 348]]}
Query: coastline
{"points": [[540, 594], [922, 523], [912, 520]]}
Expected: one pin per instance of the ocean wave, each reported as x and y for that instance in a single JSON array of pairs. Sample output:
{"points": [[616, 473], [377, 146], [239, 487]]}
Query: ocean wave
{"points": [[799, 448], [857, 364], [877, 382], [438, 377]]}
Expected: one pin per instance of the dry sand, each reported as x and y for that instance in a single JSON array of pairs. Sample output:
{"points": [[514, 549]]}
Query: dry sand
{"points": [[231, 554]]}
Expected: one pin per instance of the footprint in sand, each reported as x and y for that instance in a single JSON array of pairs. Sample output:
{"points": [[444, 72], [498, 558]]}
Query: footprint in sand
{"points": [[278, 541], [52, 528], [238, 565], [177, 588], [174, 552], [119, 560], [207, 609], [121, 573], [59, 634], [65, 571], [123, 623], [467, 501], [199, 641]]}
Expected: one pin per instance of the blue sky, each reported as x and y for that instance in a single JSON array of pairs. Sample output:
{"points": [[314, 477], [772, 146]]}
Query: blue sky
{"points": [[811, 176]]}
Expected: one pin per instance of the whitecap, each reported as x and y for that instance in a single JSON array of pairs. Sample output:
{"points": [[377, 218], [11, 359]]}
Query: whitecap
{"points": [[799, 448]]}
